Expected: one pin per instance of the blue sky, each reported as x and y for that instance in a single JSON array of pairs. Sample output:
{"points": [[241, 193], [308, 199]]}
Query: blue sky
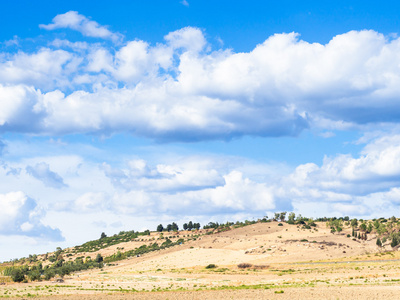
{"points": [[122, 115]]}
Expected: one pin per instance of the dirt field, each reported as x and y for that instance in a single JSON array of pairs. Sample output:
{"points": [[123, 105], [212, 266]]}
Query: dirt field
{"points": [[286, 262]]}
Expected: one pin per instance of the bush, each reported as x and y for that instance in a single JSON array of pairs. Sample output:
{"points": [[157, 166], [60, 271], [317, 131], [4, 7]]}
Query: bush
{"points": [[280, 224], [48, 274], [244, 265], [17, 275], [211, 266], [34, 275], [394, 242]]}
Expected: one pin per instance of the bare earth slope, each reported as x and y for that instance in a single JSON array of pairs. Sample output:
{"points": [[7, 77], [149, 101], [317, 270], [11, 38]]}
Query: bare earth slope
{"points": [[287, 262]]}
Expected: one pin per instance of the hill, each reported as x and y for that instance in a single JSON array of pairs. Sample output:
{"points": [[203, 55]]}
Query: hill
{"points": [[229, 261]]}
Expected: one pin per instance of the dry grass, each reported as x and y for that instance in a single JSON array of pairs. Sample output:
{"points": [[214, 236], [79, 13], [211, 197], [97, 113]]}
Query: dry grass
{"points": [[252, 262]]}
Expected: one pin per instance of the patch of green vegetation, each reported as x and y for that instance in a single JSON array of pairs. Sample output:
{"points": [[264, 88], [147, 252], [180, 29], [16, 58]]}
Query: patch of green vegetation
{"points": [[211, 266]]}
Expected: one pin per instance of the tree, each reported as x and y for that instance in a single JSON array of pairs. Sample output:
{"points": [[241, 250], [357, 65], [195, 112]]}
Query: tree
{"points": [[17, 275], [276, 217], [34, 275], [354, 223], [369, 227], [169, 227], [103, 235], [196, 226], [48, 274], [395, 241], [185, 226], [174, 226], [98, 258], [379, 242], [282, 216], [190, 225], [160, 228], [335, 224], [291, 217], [363, 227], [377, 224]]}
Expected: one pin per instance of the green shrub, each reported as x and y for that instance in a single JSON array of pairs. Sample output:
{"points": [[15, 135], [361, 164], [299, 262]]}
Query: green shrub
{"points": [[17, 275], [211, 266]]}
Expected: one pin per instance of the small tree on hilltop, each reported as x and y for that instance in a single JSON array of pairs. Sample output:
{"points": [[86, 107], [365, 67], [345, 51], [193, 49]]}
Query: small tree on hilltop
{"points": [[160, 228], [174, 226], [103, 235], [354, 223], [190, 225], [291, 218]]}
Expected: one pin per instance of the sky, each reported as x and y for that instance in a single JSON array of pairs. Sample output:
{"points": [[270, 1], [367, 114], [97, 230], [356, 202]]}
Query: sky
{"points": [[121, 115]]}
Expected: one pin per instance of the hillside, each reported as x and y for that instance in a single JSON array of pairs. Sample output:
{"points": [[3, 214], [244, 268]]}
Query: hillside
{"points": [[262, 256]]}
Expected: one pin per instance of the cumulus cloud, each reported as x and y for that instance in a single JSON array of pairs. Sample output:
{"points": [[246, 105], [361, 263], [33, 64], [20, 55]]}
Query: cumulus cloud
{"points": [[42, 172], [20, 215], [195, 184], [207, 186], [362, 185], [235, 195], [18, 109], [180, 90], [185, 176], [78, 22], [90, 202]]}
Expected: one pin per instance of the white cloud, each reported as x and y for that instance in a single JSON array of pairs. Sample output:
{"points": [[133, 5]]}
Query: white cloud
{"points": [[20, 215], [42, 172], [365, 185], [190, 174], [189, 38], [181, 91], [75, 21], [18, 108], [90, 202], [45, 69]]}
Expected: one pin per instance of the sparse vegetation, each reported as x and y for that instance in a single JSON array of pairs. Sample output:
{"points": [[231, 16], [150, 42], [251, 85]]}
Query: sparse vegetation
{"points": [[211, 266]]}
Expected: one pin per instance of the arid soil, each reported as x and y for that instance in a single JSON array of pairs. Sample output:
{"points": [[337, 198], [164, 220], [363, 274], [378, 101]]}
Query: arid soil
{"points": [[287, 262]]}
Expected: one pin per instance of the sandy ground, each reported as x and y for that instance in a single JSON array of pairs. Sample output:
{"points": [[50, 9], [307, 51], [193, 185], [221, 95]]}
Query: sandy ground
{"points": [[293, 263]]}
